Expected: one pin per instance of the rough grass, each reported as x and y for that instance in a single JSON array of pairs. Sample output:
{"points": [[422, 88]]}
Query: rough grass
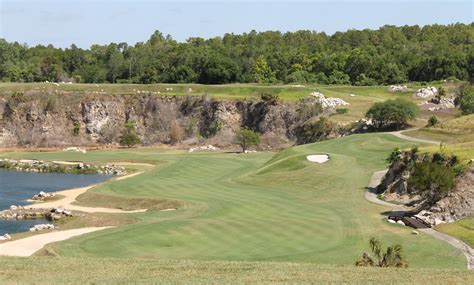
{"points": [[136, 271], [462, 229], [255, 207], [451, 130]]}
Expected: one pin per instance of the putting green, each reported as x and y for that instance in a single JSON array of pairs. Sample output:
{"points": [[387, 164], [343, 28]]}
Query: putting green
{"points": [[257, 207]]}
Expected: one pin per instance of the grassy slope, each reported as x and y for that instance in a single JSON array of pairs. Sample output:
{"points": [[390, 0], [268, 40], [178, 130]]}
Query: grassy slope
{"points": [[451, 131], [133, 271], [257, 207], [462, 229]]}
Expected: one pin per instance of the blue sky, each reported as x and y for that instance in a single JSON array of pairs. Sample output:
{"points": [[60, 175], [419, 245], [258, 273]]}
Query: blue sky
{"points": [[62, 23]]}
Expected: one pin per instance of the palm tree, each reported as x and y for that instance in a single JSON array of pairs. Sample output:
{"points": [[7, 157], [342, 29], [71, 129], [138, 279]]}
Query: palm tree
{"points": [[392, 257]]}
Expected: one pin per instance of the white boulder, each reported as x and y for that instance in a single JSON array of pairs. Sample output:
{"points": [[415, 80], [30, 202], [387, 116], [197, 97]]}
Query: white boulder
{"points": [[328, 102], [426, 92]]}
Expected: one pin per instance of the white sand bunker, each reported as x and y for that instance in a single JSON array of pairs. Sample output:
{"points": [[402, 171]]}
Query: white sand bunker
{"points": [[319, 158]]}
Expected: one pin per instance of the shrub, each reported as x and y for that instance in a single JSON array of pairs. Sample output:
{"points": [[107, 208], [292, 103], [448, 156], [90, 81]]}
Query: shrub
{"points": [[76, 129], [465, 100], [16, 99], [315, 131], [176, 133], [391, 257], [51, 104], [395, 155], [342, 111], [394, 113], [245, 137], [432, 121], [269, 98], [129, 138], [432, 176]]}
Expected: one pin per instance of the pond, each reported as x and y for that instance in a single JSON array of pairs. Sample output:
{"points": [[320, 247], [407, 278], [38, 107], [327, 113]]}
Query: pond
{"points": [[17, 187]]}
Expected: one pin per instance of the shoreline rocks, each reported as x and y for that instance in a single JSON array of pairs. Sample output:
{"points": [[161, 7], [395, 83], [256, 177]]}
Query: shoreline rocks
{"points": [[22, 213], [39, 166], [41, 196], [41, 227], [5, 237]]}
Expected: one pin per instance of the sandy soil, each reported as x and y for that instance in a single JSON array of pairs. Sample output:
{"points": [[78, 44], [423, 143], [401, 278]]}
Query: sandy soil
{"points": [[71, 195], [28, 246], [319, 158]]}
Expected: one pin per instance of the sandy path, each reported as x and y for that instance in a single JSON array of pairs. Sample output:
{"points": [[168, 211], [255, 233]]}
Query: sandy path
{"points": [[71, 195], [371, 196], [28, 246]]}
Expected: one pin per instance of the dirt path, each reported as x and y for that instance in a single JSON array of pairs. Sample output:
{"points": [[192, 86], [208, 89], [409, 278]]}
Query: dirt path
{"points": [[28, 246], [71, 195], [371, 196]]}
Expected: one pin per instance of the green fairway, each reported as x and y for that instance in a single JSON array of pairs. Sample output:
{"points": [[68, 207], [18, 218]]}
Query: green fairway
{"points": [[256, 207]]}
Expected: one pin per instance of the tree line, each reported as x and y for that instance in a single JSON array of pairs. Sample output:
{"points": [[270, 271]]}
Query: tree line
{"points": [[388, 55]]}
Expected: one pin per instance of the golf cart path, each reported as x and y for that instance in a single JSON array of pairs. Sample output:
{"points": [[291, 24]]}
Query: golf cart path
{"points": [[399, 134], [28, 246], [371, 196], [71, 195]]}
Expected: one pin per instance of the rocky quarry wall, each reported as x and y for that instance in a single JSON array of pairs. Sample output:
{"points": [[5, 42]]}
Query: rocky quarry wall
{"points": [[39, 120]]}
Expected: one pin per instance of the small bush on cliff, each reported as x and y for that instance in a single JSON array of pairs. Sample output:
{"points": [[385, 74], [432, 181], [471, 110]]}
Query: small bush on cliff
{"points": [[246, 137], [76, 129], [129, 138], [16, 99], [392, 113], [432, 176], [176, 133], [269, 98], [315, 131], [392, 257]]}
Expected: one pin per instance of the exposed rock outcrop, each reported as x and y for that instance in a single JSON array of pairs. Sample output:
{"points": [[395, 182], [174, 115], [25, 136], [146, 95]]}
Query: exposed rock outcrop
{"points": [[431, 206], [81, 119]]}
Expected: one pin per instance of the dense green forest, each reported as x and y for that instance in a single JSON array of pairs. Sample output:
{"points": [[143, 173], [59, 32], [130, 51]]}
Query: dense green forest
{"points": [[360, 57]]}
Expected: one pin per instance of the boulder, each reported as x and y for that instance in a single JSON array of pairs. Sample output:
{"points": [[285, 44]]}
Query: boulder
{"points": [[400, 222]]}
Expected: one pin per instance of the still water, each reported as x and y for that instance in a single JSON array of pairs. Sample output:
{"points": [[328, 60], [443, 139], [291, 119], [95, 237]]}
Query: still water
{"points": [[17, 187]]}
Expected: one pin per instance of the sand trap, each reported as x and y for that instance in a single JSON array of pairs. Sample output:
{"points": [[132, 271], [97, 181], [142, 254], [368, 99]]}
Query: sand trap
{"points": [[71, 195], [28, 246], [319, 158]]}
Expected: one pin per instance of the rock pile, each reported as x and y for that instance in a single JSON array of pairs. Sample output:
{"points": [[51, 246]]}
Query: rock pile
{"points": [[5, 237], [60, 167], [397, 88], [42, 195], [442, 103], [58, 213], [42, 227], [112, 170], [328, 102], [204, 148], [20, 213], [426, 92]]}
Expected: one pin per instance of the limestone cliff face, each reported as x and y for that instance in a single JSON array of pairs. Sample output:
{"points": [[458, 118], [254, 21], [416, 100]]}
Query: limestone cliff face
{"points": [[89, 119]]}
